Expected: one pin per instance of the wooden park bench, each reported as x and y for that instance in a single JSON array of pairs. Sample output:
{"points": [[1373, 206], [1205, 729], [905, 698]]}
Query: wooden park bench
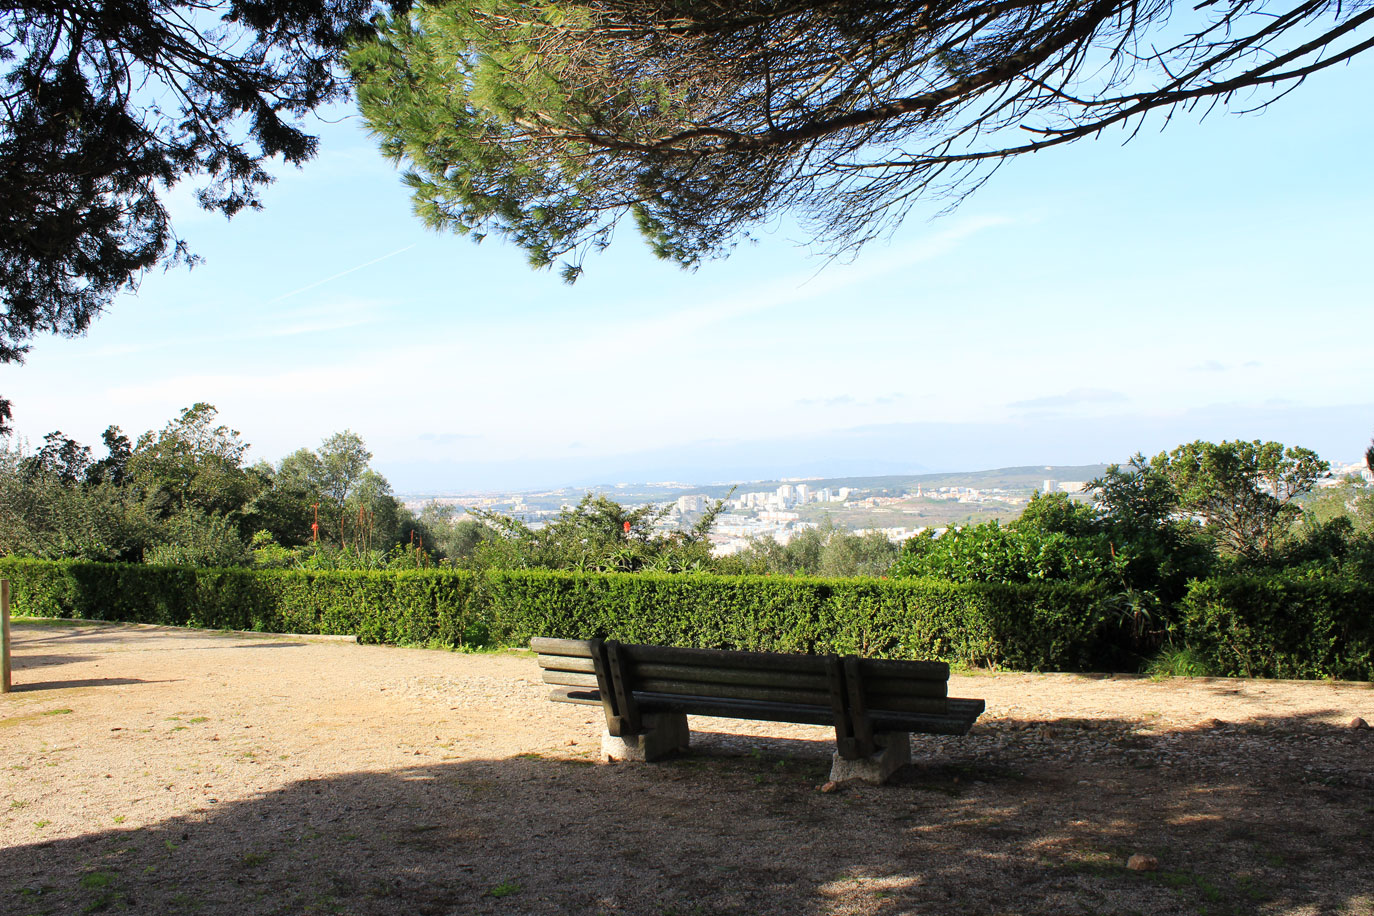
{"points": [[647, 692]]}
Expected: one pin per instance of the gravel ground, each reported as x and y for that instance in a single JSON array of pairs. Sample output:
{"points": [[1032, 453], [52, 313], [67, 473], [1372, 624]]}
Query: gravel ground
{"points": [[156, 770]]}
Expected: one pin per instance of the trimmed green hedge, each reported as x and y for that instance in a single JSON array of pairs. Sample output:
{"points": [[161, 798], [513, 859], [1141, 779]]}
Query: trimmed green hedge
{"points": [[1270, 627], [1052, 627], [1276, 627], [418, 606], [1057, 627]]}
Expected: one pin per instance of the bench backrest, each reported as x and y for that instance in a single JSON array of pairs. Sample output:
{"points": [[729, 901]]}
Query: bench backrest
{"points": [[847, 692]]}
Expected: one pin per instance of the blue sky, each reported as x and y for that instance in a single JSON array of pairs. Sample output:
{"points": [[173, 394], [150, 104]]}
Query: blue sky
{"points": [[1208, 281]]}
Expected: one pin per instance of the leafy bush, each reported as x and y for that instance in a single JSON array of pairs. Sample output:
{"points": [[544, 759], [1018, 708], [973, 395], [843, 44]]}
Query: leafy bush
{"points": [[1178, 661], [268, 554], [196, 538], [596, 535], [991, 553], [825, 550], [1281, 627]]}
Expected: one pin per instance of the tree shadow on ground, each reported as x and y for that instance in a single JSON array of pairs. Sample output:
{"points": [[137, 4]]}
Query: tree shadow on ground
{"points": [[27, 662], [86, 682], [1019, 817]]}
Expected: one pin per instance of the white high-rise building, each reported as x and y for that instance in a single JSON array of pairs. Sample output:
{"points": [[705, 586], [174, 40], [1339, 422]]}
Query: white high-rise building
{"points": [[694, 503], [803, 493], [786, 491]]}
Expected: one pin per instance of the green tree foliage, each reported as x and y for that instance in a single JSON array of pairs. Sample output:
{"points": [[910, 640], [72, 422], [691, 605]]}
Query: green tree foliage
{"points": [[1156, 547], [50, 510], [452, 539], [1154, 528], [114, 467], [343, 462], [824, 550], [283, 507], [992, 553], [597, 535], [196, 538], [1245, 492], [354, 504], [183, 495], [1350, 498], [192, 464], [1057, 513], [1154, 524], [550, 122], [108, 105]]}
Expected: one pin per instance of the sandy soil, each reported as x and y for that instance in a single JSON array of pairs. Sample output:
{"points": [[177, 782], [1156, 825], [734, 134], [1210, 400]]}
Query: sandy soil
{"points": [[155, 770]]}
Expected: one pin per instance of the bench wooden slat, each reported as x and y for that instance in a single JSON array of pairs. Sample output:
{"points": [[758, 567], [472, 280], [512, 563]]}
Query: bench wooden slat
{"points": [[744, 676], [737, 709], [890, 720], [571, 679], [576, 695], [724, 658], [957, 721], [903, 668], [567, 663], [576, 648], [921, 687], [733, 691], [897, 703]]}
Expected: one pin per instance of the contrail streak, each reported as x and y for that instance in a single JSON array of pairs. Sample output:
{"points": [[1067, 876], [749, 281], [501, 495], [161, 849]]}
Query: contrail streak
{"points": [[342, 273]]}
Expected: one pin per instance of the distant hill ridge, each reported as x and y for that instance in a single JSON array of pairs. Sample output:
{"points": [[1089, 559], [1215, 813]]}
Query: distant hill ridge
{"points": [[1027, 477], [1017, 478]]}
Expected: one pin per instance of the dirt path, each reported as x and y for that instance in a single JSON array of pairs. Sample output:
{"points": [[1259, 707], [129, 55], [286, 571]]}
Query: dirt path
{"points": [[157, 770]]}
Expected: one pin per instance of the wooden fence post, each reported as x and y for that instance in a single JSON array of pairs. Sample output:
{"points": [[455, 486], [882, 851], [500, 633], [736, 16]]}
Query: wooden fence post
{"points": [[4, 635]]}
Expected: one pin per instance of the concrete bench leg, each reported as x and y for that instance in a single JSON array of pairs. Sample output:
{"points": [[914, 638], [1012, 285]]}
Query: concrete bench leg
{"points": [[665, 734], [878, 769]]}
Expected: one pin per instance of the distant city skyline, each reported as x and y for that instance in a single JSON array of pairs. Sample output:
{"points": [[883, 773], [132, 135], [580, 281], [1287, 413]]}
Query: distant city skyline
{"points": [[1207, 281]]}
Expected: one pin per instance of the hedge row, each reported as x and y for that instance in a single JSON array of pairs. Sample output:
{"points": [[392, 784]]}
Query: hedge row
{"points": [[1058, 627], [389, 607], [1275, 627], [1252, 627], [1025, 627]]}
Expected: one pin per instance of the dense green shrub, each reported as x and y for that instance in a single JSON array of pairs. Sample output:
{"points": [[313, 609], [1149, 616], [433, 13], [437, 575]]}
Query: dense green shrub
{"points": [[1281, 627], [992, 553], [825, 550]]}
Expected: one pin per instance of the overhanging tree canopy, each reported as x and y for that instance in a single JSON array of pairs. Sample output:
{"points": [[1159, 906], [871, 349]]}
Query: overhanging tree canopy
{"points": [[549, 122], [107, 103]]}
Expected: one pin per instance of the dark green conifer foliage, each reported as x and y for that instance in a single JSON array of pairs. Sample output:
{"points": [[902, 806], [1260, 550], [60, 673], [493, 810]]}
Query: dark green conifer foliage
{"points": [[107, 105], [551, 121]]}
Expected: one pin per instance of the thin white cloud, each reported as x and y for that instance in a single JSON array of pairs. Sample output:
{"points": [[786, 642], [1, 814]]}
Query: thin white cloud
{"points": [[342, 273], [796, 289], [336, 315]]}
